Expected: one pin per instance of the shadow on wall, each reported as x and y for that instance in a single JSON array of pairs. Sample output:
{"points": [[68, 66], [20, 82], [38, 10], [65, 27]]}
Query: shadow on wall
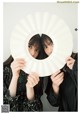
{"points": [[46, 105]]}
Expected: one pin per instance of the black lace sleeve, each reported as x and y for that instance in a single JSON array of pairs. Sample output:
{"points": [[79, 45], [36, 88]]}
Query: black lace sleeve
{"points": [[35, 105], [7, 99], [19, 102]]}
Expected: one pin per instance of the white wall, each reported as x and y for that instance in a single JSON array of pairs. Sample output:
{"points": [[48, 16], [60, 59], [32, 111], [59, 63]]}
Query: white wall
{"points": [[13, 12]]}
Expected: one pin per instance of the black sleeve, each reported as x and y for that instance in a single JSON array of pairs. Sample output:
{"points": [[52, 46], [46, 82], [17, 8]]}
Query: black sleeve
{"points": [[20, 101], [52, 98], [35, 104], [73, 73], [7, 99]]}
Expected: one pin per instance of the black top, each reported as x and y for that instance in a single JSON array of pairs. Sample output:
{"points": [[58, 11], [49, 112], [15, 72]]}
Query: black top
{"points": [[20, 101], [67, 97]]}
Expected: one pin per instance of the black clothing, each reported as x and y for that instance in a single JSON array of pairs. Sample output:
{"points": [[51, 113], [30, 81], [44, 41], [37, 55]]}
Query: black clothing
{"points": [[20, 101], [67, 97]]}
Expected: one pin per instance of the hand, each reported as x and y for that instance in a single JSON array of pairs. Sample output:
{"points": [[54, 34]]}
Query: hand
{"points": [[32, 80], [16, 65], [70, 62], [57, 78]]}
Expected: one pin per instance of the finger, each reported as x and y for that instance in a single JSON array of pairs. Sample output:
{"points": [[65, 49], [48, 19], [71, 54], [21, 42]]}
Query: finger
{"points": [[69, 63], [60, 78], [17, 63], [57, 79], [35, 76], [29, 84], [18, 68], [57, 76], [31, 80], [54, 74], [60, 81], [20, 59], [69, 58], [21, 62], [70, 66]]}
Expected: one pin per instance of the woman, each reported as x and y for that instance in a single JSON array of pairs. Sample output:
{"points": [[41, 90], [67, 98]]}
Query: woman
{"points": [[23, 91], [62, 85]]}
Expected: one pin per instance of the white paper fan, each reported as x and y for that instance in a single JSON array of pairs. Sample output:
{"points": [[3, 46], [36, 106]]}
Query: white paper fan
{"points": [[42, 23]]}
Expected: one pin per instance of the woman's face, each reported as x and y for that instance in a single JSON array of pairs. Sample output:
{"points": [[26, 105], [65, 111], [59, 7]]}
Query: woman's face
{"points": [[48, 47], [34, 50]]}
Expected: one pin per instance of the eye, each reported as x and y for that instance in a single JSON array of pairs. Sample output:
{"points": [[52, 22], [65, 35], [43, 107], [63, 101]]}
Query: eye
{"points": [[45, 47], [30, 47], [49, 44], [37, 50]]}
